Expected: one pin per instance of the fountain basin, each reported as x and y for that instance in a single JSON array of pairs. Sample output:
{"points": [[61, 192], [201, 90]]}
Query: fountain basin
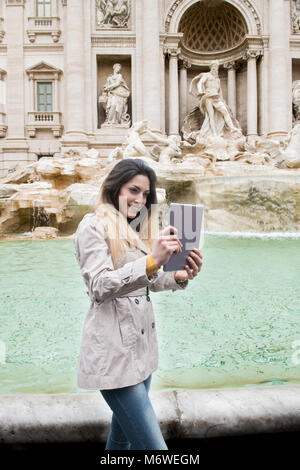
{"points": [[182, 414]]}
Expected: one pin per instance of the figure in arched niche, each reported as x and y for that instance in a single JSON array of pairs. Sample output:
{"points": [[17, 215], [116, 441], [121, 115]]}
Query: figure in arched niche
{"points": [[206, 87], [114, 98]]}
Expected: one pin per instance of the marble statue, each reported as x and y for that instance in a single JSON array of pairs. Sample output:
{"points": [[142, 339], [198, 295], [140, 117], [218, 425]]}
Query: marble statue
{"points": [[172, 150], [206, 87], [115, 98], [296, 99], [133, 146], [113, 13], [290, 157], [210, 126]]}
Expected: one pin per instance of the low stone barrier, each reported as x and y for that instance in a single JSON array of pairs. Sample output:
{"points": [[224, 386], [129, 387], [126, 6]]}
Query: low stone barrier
{"points": [[182, 414]]}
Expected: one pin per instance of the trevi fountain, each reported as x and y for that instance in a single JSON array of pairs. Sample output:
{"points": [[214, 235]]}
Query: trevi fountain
{"points": [[230, 336], [243, 186]]}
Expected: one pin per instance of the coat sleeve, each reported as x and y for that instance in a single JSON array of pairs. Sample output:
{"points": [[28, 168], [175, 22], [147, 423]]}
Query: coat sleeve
{"points": [[165, 280], [103, 281]]}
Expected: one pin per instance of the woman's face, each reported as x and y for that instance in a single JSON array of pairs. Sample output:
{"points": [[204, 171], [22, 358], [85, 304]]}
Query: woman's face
{"points": [[133, 195]]}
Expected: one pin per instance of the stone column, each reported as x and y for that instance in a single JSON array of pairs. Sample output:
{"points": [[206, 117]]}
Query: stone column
{"points": [[31, 92], [74, 75], [2, 90], [55, 94], [183, 91], [137, 94], [173, 91], [152, 91], [280, 114], [3, 126], [231, 86], [15, 146], [251, 57], [15, 67]]}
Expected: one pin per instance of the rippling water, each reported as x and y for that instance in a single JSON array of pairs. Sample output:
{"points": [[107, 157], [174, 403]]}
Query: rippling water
{"points": [[236, 324]]}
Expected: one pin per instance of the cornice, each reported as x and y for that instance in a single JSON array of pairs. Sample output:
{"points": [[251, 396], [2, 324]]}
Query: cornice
{"points": [[126, 39], [51, 47]]}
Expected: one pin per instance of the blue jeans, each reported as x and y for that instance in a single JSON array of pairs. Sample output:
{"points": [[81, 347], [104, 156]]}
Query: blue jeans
{"points": [[133, 420]]}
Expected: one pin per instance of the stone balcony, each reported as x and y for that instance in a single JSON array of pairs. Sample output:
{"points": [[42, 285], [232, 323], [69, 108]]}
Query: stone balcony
{"points": [[43, 25], [44, 120]]}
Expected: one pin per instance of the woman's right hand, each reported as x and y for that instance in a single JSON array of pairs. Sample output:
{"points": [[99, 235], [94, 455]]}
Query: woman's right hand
{"points": [[166, 244]]}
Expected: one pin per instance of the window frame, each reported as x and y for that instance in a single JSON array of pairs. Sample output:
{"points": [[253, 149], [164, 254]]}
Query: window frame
{"points": [[37, 82], [44, 4]]}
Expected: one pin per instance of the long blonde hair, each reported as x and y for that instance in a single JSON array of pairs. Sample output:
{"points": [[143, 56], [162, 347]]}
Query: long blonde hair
{"points": [[121, 236]]}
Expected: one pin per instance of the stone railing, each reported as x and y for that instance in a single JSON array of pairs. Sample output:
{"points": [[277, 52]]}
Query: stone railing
{"points": [[43, 25], [44, 120]]}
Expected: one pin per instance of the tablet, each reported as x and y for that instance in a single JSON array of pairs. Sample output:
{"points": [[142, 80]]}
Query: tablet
{"points": [[189, 221]]}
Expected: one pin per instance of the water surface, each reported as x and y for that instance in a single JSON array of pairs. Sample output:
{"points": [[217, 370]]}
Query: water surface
{"points": [[235, 324]]}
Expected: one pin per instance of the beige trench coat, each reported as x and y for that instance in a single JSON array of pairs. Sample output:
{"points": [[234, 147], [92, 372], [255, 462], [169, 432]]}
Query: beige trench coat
{"points": [[119, 342]]}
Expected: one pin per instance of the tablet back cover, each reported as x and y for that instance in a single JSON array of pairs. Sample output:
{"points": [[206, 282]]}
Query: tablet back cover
{"points": [[188, 219]]}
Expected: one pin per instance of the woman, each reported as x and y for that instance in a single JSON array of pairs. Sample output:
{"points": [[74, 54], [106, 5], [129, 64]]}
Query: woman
{"points": [[120, 252]]}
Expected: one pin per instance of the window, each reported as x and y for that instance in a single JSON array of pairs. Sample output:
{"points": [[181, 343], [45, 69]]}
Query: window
{"points": [[43, 8], [44, 96]]}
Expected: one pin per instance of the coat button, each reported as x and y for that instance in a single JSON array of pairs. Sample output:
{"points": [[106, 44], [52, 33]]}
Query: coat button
{"points": [[136, 301], [153, 324], [142, 331], [148, 298]]}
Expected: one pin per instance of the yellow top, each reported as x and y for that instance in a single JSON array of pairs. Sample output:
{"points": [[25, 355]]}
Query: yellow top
{"points": [[151, 266]]}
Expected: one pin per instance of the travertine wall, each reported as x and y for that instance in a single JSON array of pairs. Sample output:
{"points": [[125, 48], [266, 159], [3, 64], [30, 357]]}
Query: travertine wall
{"points": [[72, 46]]}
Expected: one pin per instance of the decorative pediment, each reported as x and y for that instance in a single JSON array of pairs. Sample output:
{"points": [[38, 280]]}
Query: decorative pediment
{"points": [[43, 67]]}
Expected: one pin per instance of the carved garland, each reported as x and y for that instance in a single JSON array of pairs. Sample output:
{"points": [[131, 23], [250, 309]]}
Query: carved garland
{"points": [[248, 4]]}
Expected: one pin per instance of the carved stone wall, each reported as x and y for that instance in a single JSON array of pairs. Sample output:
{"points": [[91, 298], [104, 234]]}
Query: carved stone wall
{"points": [[295, 16], [112, 14]]}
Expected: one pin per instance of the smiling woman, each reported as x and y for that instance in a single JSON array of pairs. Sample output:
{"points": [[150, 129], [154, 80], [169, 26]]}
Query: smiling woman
{"points": [[119, 350], [133, 195]]}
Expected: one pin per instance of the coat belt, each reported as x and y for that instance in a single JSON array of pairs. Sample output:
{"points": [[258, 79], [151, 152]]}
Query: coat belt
{"points": [[141, 291], [134, 293]]}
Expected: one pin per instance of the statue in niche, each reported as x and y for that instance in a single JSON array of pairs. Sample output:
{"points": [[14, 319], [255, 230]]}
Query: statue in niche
{"points": [[296, 99], [113, 13], [114, 99], [206, 87], [210, 127]]}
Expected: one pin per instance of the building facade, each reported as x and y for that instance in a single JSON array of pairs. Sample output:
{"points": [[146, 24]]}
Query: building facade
{"points": [[56, 55]]}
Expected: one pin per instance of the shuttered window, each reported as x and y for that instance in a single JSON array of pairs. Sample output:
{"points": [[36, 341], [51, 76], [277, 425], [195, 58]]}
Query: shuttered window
{"points": [[44, 96], [43, 8]]}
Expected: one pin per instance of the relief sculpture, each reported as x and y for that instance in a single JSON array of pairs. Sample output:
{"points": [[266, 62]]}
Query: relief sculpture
{"points": [[113, 13]]}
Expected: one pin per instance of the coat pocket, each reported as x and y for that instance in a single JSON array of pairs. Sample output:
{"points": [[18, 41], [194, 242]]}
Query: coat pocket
{"points": [[128, 331]]}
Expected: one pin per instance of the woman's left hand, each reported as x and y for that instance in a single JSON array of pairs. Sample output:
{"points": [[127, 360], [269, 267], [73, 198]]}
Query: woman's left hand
{"points": [[195, 261]]}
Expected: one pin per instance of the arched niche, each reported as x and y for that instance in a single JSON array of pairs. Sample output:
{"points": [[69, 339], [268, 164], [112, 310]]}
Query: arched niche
{"points": [[245, 7]]}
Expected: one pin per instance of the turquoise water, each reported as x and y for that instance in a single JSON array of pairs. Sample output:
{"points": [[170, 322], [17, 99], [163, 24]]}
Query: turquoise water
{"points": [[235, 325]]}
